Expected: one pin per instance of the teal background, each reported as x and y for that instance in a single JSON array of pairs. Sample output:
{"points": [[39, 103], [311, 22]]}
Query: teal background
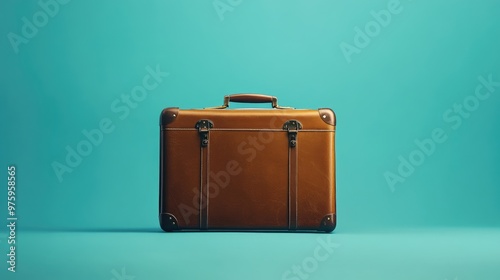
{"points": [[442, 222]]}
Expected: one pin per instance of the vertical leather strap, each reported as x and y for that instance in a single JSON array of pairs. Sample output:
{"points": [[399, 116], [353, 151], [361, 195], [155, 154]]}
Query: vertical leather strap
{"points": [[204, 127], [204, 167], [292, 187], [292, 127]]}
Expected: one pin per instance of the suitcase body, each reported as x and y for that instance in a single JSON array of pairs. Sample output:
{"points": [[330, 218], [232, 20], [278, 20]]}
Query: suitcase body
{"points": [[247, 169]]}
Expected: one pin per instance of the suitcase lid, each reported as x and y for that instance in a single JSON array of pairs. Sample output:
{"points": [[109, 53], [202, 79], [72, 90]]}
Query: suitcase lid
{"points": [[274, 118]]}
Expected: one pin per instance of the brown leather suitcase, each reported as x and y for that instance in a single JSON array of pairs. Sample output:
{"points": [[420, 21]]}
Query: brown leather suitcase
{"points": [[247, 169]]}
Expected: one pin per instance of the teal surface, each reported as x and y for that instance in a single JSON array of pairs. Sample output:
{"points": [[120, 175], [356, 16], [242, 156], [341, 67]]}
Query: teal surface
{"points": [[415, 85], [440, 254]]}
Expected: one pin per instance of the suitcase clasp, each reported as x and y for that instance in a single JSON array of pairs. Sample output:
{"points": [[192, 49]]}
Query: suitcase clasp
{"points": [[292, 126], [203, 127]]}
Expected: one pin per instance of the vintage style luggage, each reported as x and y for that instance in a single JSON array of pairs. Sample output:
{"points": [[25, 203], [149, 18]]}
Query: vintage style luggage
{"points": [[247, 169]]}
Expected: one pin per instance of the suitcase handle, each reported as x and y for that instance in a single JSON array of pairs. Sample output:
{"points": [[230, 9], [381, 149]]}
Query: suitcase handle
{"points": [[250, 98]]}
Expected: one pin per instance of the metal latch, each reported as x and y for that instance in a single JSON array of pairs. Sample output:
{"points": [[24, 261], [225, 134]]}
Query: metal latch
{"points": [[204, 127], [292, 126]]}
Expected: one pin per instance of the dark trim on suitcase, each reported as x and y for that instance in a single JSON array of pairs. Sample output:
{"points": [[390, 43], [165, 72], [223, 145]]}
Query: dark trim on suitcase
{"points": [[168, 115], [328, 223], [168, 222], [328, 116]]}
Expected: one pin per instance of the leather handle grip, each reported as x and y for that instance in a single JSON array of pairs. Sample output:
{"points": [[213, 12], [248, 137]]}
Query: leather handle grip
{"points": [[250, 98]]}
